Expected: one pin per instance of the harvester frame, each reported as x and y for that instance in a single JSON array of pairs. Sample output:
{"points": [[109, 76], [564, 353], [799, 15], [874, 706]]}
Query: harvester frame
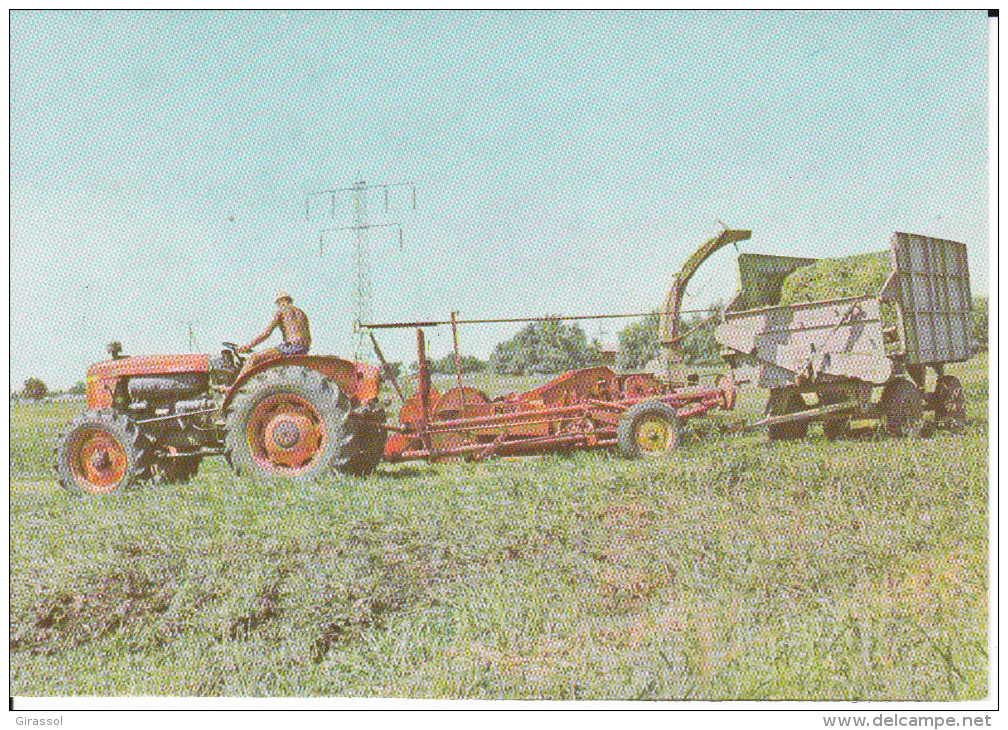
{"points": [[579, 409]]}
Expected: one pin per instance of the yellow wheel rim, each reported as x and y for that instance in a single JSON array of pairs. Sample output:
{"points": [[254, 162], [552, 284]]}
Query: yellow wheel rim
{"points": [[653, 436]]}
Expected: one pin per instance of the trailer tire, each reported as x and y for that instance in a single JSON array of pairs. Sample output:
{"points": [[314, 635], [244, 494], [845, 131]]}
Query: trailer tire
{"points": [[288, 422], [650, 429], [902, 408], [99, 452], [949, 403], [837, 426], [783, 402]]}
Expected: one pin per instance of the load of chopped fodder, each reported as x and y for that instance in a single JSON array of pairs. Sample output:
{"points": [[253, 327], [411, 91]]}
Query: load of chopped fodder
{"points": [[853, 276]]}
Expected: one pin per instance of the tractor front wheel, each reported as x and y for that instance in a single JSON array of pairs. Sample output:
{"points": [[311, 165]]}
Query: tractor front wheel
{"points": [[649, 429], [288, 422], [99, 452]]}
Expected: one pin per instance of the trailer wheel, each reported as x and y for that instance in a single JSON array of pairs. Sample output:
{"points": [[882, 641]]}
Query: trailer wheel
{"points": [[99, 452], [367, 447], [902, 408], [949, 403], [649, 429], [783, 402], [288, 421], [837, 426]]}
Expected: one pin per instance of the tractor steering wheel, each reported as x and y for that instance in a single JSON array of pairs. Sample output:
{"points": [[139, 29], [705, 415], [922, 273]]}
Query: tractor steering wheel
{"points": [[233, 347]]}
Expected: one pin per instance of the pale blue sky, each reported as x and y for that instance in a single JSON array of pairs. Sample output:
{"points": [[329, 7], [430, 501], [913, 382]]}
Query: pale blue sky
{"points": [[565, 162]]}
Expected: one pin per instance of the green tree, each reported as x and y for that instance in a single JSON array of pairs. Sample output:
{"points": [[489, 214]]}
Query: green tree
{"points": [[395, 367], [35, 389], [78, 389], [638, 342], [549, 346], [700, 346]]}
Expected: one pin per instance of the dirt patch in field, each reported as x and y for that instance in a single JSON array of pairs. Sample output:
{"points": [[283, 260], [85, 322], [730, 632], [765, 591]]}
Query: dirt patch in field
{"points": [[533, 659], [147, 608], [102, 606], [400, 572]]}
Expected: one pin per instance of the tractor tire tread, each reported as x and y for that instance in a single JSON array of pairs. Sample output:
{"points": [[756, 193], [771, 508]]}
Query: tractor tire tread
{"points": [[308, 383], [949, 403], [364, 447], [902, 408]]}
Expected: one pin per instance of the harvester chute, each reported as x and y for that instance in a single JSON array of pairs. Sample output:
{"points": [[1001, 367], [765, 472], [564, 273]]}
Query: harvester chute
{"points": [[669, 337]]}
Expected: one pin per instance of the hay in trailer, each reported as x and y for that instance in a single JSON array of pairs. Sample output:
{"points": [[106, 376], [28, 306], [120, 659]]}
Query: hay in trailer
{"points": [[853, 276]]}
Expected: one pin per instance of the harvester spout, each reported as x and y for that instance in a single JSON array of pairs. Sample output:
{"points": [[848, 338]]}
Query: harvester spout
{"points": [[668, 324]]}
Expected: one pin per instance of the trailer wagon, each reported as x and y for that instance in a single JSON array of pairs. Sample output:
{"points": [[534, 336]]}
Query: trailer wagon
{"points": [[853, 358]]}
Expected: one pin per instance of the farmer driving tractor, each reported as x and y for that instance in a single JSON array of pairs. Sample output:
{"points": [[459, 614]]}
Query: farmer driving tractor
{"points": [[293, 324]]}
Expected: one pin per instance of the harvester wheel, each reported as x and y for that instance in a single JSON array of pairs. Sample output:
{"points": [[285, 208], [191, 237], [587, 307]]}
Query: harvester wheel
{"points": [[949, 403], [100, 451], [649, 429], [902, 408], [783, 402], [367, 447], [288, 421]]}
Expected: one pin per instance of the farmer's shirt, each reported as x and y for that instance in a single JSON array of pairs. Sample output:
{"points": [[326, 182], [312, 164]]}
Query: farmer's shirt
{"points": [[293, 324]]}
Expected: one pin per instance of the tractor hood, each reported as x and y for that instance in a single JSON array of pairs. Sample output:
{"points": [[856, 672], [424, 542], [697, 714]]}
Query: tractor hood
{"points": [[149, 365], [102, 377]]}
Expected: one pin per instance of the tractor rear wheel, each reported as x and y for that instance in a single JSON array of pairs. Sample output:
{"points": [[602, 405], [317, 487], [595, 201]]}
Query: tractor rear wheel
{"points": [[783, 402], [367, 447], [649, 429], [99, 452], [288, 422], [902, 408], [949, 403]]}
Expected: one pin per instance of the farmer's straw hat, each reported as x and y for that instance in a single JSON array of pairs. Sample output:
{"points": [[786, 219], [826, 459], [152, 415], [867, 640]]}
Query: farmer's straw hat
{"points": [[281, 294]]}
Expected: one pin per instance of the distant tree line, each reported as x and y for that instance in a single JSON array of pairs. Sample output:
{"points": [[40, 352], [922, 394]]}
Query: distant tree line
{"points": [[35, 389], [554, 346], [446, 365]]}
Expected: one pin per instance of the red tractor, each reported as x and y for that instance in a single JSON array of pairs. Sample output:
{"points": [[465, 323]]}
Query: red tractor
{"points": [[154, 417]]}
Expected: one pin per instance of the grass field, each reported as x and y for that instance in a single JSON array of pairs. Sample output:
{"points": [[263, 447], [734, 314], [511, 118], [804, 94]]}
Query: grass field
{"points": [[738, 568]]}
